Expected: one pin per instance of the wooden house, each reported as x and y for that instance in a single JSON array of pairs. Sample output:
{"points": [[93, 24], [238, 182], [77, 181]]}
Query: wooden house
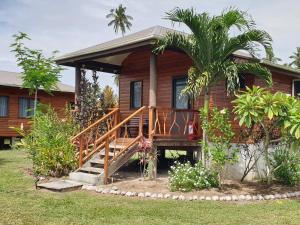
{"points": [[150, 99], [15, 104]]}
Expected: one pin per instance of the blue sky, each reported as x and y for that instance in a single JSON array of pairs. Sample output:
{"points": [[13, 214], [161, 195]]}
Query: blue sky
{"points": [[68, 25]]}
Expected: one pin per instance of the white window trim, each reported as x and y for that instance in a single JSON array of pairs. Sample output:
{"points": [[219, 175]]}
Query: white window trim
{"points": [[293, 86]]}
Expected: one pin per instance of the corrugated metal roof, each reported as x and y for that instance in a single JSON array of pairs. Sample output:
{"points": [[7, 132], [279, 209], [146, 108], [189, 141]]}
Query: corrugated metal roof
{"points": [[13, 79]]}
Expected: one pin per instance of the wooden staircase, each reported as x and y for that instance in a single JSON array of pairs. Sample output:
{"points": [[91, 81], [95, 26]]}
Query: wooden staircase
{"points": [[104, 147]]}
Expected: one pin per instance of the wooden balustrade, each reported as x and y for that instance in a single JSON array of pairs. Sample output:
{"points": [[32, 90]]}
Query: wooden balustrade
{"points": [[122, 142], [169, 122], [86, 140]]}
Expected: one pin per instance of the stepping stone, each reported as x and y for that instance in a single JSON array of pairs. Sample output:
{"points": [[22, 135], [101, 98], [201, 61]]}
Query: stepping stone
{"points": [[60, 186]]}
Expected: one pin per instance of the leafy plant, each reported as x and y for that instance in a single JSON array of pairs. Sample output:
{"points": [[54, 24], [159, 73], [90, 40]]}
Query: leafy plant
{"points": [[185, 177], [93, 102], [220, 135], [210, 45], [38, 71], [286, 166], [272, 112], [48, 143], [146, 158]]}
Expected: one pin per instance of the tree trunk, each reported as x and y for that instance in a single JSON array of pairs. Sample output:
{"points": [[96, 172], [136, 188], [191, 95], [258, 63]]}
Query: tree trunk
{"points": [[266, 152], [35, 102], [204, 135]]}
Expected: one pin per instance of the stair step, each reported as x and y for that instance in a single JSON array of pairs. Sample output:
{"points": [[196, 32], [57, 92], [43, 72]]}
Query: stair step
{"points": [[97, 161], [111, 154], [93, 170], [122, 141], [87, 178]]}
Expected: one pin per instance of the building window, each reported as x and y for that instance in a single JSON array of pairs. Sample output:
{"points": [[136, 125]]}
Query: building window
{"points": [[180, 101], [3, 106], [136, 89], [242, 80], [296, 88], [26, 106]]}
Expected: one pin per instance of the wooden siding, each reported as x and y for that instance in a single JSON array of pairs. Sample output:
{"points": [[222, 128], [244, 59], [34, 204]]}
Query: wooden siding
{"points": [[137, 66], [172, 64], [58, 101]]}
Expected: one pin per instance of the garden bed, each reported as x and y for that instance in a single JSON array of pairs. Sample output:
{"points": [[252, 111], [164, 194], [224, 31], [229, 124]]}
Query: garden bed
{"points": [[132, 181]]}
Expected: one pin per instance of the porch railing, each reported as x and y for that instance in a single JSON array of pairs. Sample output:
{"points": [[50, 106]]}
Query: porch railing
{"points": [[169, 122], [86, 140]]}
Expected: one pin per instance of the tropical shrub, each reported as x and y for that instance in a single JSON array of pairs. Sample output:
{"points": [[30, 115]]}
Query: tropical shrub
{"points": [[272, 113], [185, 177], [220, 135], [286, 166], [48, 143]]}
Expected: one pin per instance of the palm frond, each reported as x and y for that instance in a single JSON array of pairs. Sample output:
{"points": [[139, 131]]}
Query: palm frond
{"points": [[177, 40], [257, 70]]}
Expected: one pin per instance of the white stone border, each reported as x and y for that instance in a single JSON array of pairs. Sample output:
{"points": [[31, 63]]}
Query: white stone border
{"points": [[116, 191]]}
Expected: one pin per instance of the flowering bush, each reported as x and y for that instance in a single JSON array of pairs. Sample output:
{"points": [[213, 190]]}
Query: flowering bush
{"points": [[185, 177]]}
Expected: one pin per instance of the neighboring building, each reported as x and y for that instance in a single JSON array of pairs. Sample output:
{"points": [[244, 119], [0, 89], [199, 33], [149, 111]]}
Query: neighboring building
{"points": [[15, 104], [156, 81]]}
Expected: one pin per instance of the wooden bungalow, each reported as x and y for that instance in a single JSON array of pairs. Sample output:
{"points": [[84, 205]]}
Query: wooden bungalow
{"points": [[149, 99], [15, 104]]}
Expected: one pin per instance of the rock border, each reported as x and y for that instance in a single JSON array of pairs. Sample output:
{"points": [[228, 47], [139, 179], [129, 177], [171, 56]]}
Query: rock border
{"points": [[227, 198]]}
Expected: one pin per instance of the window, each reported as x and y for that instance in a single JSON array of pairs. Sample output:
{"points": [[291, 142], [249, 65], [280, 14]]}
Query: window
{"points": [[3, 106], [242, 82], [296, 88], [180, 101], [26, 106], [136, 88]]}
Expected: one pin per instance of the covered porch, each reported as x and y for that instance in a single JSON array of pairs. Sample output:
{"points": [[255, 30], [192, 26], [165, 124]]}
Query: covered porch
{"points": [[145, 79]]}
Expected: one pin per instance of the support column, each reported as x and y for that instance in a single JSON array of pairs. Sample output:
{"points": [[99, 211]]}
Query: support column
{"points": [[153, 80], [152, 103], [77, 83]]}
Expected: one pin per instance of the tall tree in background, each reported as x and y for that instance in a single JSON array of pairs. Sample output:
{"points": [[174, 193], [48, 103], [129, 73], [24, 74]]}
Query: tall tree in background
{"points": [[120, 20], [296, 58], [210, 45], [38, 71]]}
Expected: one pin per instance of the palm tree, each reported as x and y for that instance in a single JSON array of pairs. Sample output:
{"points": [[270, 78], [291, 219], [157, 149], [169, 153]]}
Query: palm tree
{"points": [[120, 20], [210, 46], [296, 59]]}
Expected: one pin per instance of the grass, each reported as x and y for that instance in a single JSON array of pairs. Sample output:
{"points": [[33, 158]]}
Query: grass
{"points": [[20, 203]]}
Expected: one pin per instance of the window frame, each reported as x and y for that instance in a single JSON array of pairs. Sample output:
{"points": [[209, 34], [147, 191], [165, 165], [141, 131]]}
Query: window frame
{"points": [[132, 93], [293, 87], [19, 100], [7, 110], [174, 79]]}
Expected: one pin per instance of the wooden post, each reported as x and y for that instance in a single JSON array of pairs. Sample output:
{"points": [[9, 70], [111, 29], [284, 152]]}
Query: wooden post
{"points": [[141, 124], [152, 105], [80, 151], [152, 92], [153, 81], [77, 84], [106, 161]]}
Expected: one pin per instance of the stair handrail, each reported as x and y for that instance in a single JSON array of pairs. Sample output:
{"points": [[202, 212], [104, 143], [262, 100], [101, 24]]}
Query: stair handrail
{"points": [[94, 124], [103, 137]]}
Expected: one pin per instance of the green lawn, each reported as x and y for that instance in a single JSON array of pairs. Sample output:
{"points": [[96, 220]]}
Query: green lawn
{"points": [[20, 203]]}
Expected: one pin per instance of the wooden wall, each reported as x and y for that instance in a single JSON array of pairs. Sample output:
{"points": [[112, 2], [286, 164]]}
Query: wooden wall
{"points": [[171, 64], [58, 101], [136, 67]]}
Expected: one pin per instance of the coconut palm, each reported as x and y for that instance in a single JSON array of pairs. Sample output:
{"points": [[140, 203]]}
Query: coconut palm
{"points": [[210, 45], [296, 58], [120, 20]]}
